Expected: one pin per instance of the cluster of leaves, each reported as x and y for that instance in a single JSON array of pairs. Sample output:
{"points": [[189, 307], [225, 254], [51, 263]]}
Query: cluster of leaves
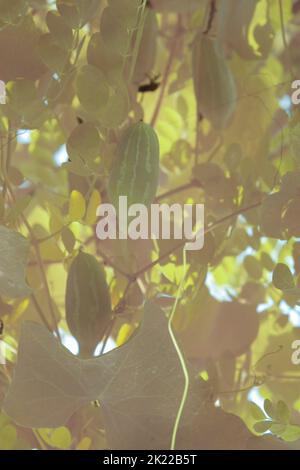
{"points": [[74, 73], [275, 418]]}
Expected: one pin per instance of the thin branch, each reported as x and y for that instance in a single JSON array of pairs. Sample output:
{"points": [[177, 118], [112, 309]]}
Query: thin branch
{"points": [[212, 12], [208, 230], [40, 312], [39, 262], [46, 286], [107, 334], [52, 235], [197, 139], [183, 187], [8, 151], [215, 151], [33, 239], [284, 40], [139, 28], [121, 304], [166, 74], [39, 439], [113, 265]]}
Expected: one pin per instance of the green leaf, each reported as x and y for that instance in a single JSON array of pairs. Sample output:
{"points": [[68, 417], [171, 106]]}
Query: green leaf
{"points": [[24, 105], [233, 23], [13, 256], [136, 389], [22, 39], [269, 408], [262, 426], [77, 13], [68, 239], [126, 11], [108, 60], [52, 54], [177, 6], [84, 143], [270, 215], [213, 180], [294, 137], [114, 32], [267, 261], [283, 278], [78, 168], [92, 89], [61, 33], [282, 412], [77, 206], [278, 429], [292, 433], [17, 209], [91, 211], [69, 11], [204, 256], [253, 267], [290, 185], [60, 438], [256, 412], [11, 12], [117, 107], [8, 437], [290, 218]]}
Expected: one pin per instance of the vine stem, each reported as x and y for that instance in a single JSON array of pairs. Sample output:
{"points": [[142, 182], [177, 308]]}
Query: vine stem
{"points": [[39, 262], [107, 334], [180, 356], [284, 40], [140, 28], [52, 235], [35, 245], [166, 75], [5, 170], [197, 139], [40, 312], [46, 286], [39, 439], [111, 324]]}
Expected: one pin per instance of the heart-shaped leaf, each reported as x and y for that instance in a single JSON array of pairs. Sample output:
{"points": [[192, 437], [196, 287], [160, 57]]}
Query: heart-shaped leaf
{"points": [[138, 392], [13, 256], [283, 278]]}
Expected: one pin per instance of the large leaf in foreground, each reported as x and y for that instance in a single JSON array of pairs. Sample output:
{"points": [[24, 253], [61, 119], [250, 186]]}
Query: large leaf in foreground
{"points": [[13, 256], [139, 385]]}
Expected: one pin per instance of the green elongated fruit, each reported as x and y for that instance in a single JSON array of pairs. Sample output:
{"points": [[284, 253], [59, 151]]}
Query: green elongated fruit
{"points": [[136, 168], [214, 84], [88, 305], [147, 50]]}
